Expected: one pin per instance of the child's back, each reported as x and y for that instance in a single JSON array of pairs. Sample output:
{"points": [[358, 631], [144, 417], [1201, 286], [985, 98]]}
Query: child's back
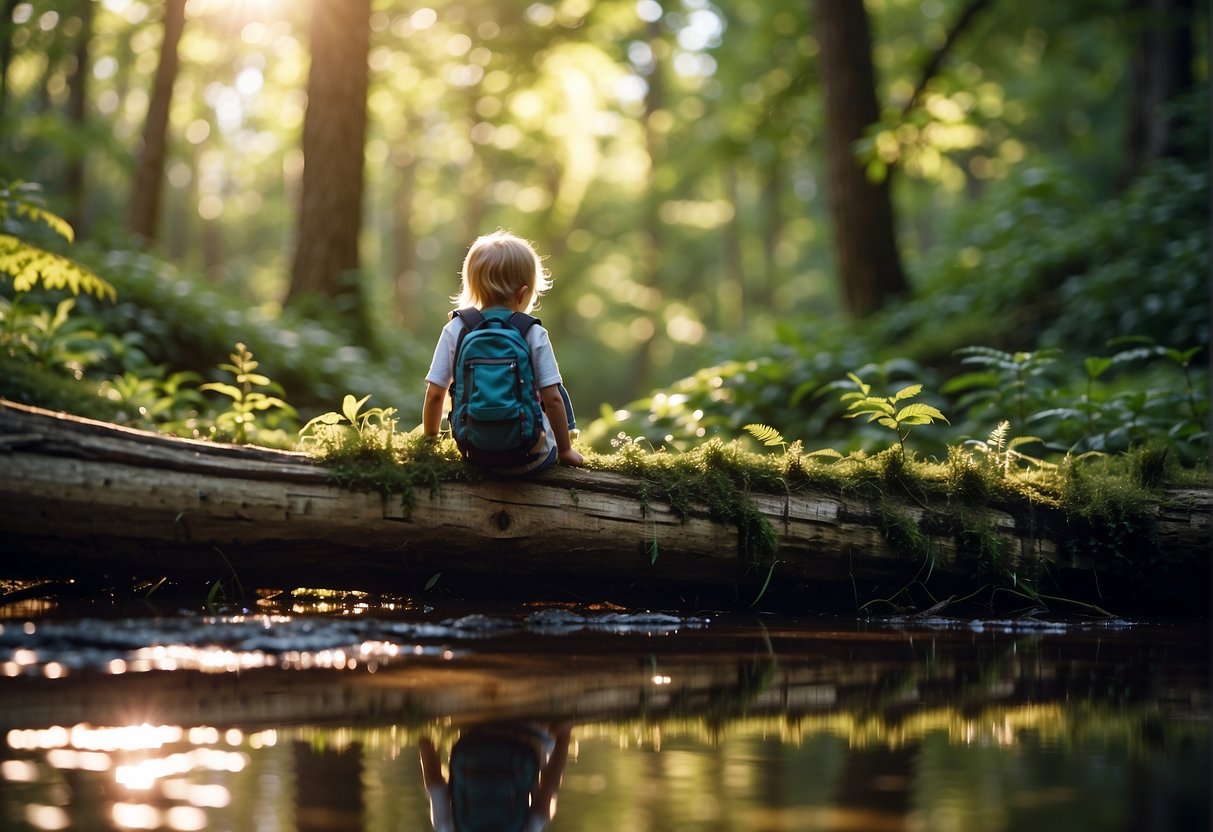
{"points": [[509, 412]]}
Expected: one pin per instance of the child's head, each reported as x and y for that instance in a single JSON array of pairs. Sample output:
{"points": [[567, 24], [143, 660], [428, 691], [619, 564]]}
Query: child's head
{"points": [[496, 267]]}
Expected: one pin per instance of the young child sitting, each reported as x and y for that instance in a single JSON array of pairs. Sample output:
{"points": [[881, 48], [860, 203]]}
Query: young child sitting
{"points": [[503, 271]]}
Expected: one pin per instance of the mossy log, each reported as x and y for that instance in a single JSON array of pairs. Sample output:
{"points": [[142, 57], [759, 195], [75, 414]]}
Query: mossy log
{"points": [[81, 498]]}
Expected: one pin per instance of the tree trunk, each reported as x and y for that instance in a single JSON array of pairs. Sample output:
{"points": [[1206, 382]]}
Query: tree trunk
{"points": [[1161, 69], [651, 257], [143, 218], [406, 288], [329, 796], [334, 136], [865, 245], [731, 294], [6, 48], [77, 114]]}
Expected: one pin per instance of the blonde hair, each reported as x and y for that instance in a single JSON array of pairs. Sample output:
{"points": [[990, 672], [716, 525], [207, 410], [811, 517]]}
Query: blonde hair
{"points": [[497, 265]]}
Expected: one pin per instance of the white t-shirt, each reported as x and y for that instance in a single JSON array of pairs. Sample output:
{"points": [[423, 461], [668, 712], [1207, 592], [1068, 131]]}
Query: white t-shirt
{"points": [[543, 360]]}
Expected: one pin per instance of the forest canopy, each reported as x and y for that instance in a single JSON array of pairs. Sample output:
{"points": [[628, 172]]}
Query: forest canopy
{"points": [[727, 236]]}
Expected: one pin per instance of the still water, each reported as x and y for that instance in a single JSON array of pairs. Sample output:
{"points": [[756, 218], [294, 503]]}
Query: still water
{"points": [[312, 712]]}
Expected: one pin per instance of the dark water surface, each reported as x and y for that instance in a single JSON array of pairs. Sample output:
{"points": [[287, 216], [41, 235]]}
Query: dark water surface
{"points": [[309, 712]]}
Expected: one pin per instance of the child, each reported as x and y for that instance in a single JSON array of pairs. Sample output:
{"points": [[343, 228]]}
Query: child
{"points": [[504, 271], [503, 777]]}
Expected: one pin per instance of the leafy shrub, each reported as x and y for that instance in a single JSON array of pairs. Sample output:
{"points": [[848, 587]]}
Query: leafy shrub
{"points": [[1040, 281]]}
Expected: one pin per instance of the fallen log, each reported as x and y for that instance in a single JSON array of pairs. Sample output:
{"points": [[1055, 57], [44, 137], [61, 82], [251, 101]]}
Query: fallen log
{"points": [[84, 498]]}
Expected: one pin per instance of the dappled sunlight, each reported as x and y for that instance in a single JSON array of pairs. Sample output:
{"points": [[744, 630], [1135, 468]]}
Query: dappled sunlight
{"points": [[684, 137], [154, 770]]}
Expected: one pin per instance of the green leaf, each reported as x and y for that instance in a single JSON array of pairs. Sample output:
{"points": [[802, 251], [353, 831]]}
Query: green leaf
{"points": [[230, 390], [907, 392], [920, 410], [877, 406], [970, 381], [803, 389], [863, 388], [350, 407], [433, 578], [1181, 358], [765, 583], [263, 402], [1096, 366], [826, 452]]}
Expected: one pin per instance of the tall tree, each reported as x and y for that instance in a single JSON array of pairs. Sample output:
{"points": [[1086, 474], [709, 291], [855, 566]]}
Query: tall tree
{"points": [[143, 217], [1161, 70], [78, 114], [651, 257], [865, 245], [6, 47], [334, 135]]}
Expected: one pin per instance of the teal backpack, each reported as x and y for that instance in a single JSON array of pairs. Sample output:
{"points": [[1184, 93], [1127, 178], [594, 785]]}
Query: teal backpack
{"points": [[496, 417], [491, 781]]}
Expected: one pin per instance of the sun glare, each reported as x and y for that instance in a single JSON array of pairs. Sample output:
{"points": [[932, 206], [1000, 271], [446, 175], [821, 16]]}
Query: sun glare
{"points": [[241, 11]]}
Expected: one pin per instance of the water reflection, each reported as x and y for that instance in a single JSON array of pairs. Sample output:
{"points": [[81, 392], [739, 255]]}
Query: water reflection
{"points": [[501, 775], [826, 725]]}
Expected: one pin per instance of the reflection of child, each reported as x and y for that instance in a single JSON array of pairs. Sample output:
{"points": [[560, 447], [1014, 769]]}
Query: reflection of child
{"points": [[503, 778], [504, 271]]}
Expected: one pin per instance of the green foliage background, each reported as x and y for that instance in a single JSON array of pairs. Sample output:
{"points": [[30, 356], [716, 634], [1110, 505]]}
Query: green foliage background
{"points": [[666, 157]]}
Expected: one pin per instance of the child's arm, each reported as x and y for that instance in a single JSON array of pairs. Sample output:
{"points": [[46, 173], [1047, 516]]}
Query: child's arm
{"points": [[431, 767], [431, 410], [544, 796], [553, 405]]}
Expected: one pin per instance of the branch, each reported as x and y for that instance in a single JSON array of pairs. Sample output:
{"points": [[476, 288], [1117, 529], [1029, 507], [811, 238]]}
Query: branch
{"points": [[932, 67]]}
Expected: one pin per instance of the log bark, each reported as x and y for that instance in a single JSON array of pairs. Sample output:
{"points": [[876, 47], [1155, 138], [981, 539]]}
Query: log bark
{"points": [[79, 497]]}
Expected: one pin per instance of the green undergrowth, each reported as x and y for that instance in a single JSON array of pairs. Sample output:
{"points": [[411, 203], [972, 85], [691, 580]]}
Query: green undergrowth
{"points": [[363, 451], [716, 475], [1095, 505]]}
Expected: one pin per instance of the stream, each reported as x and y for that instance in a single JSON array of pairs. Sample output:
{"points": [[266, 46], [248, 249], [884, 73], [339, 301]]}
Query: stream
{"points": [[341, 711]]}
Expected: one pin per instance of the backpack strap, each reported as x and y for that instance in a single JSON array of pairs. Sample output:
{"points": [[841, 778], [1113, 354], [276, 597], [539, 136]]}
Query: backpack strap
{"points": [[522, 322], [471, 318]]}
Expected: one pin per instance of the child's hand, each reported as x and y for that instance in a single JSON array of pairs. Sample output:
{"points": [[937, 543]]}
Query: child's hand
{"points": [[571, 457]]}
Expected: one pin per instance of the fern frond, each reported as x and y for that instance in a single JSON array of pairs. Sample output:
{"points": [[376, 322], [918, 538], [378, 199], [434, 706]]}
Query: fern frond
{"points": [[28, 265], [766, 434], [998, 436], [826, 452], [24, 199]]}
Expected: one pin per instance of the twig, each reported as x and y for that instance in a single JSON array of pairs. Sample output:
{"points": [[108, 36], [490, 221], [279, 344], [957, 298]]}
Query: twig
{"points": [[932, 67]]}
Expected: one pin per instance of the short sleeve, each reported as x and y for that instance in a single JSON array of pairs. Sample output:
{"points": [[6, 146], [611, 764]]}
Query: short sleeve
{"points": [[442, 366], [543, 358]]}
